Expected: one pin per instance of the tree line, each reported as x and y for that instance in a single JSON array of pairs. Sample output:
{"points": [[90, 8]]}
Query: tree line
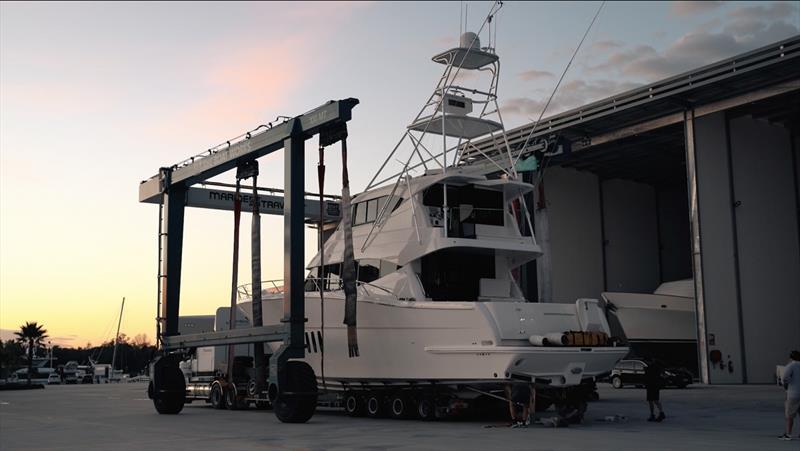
{"points": [[133, 355]]}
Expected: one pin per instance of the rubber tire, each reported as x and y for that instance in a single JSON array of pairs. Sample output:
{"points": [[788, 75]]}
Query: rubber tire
{"points": [[354, 405], [216, 396], [616, 382], [297, 408], [232, 401], [399, 407], [172, 404], [375, 406], [426, 409]]}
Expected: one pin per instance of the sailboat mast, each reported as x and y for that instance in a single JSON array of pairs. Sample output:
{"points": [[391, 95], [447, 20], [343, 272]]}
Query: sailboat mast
{"points": [[116, 339]]}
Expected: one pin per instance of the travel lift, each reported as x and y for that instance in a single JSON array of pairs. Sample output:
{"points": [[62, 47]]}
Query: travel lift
{"points": [[291, 385]]}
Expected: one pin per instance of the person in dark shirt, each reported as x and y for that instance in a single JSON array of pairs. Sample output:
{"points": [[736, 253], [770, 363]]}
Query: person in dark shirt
{"points": [[653, 383]]}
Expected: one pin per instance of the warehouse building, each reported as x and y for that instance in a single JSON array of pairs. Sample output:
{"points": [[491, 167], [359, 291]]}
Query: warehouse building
{"points": [[695, 176]]}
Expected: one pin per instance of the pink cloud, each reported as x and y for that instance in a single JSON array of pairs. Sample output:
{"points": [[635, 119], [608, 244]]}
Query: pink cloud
{"points": [[243, 89], [690, 8]]}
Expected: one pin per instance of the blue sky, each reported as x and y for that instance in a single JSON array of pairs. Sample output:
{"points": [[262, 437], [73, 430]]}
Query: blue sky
{"points": [[94, 97]]}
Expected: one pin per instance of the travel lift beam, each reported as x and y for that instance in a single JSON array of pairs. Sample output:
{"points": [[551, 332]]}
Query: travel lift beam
{"points": [[171, 188], [217, 199]]}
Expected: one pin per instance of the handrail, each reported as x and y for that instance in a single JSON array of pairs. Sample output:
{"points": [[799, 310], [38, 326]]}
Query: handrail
{"points": [[245, 291]]}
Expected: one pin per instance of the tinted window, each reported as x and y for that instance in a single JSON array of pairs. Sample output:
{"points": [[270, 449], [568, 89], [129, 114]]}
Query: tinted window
{"points": [[488, 207], [454, 274], [360, 216], [368, 270], [381, 203], [372, 210]]}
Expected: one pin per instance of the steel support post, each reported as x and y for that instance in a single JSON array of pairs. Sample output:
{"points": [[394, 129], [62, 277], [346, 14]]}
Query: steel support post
{"points": [[697, 256], [174, 202], [293, 253]]}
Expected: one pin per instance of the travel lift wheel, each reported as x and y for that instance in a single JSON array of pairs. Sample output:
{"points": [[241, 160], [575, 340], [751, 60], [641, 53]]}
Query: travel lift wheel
{"points": [[375, 407], [354, 405], [170, 396], [232, 399], [217, 396], [297, 399], [399, 406], [426, 409]]}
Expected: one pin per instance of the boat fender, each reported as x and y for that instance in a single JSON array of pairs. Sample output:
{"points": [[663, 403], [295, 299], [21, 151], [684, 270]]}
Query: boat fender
{"points": [[556, 339], [538, 340]]}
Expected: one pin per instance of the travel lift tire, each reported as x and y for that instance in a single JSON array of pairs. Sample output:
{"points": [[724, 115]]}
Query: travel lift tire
{"points": [[297, 399], [232, 399], [217, 396], [399, 406], [375, 405], [426, 409], [354, 405], [169, 400]]}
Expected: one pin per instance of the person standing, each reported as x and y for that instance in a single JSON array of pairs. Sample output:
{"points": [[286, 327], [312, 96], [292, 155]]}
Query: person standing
{"points": [[791, 383], [653, 383]]}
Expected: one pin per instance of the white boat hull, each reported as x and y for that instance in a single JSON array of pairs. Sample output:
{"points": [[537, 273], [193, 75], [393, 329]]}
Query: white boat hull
{"points": [[444, 342]]}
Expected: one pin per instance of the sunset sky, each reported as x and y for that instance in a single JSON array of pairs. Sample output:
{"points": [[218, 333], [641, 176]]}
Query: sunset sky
{"points": [[95, 97]]}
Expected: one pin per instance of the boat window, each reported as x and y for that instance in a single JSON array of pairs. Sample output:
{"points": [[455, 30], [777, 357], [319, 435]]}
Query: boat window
{"points": [[454, 274], [382, 202], [367, 211], [467, 205], [488, 207], [369, 270], [360, 214], [372, 210], [388, 268]]}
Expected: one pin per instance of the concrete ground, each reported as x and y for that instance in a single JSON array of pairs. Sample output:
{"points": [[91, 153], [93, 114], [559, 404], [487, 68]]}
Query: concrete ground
{"points": [[120, 417]]}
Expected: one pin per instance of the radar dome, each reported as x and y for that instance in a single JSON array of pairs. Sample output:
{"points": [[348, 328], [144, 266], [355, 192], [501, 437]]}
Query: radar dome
{"points": [[470, 38]]}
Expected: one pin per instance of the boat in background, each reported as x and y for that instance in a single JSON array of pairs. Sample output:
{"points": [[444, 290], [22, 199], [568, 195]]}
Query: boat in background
{"points": [[660, 325]]}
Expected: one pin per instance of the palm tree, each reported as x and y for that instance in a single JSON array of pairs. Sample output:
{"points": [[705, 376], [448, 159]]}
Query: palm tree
{"points": [[33, 335]]}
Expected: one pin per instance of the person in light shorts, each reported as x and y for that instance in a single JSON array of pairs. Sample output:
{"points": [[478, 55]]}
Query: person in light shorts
{"points": [[791, 383]]}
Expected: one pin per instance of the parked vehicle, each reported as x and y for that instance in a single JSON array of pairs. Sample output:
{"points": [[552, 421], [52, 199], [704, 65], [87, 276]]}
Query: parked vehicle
{"points": [[632, 372], [53, 379]]}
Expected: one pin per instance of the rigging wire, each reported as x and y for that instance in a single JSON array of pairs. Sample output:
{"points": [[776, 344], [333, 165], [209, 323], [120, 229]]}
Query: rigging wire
{"points": [[563, 74]]}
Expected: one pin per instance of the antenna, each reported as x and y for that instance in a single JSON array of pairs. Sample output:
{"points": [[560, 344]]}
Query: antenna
{"points": [[461, 19]]}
